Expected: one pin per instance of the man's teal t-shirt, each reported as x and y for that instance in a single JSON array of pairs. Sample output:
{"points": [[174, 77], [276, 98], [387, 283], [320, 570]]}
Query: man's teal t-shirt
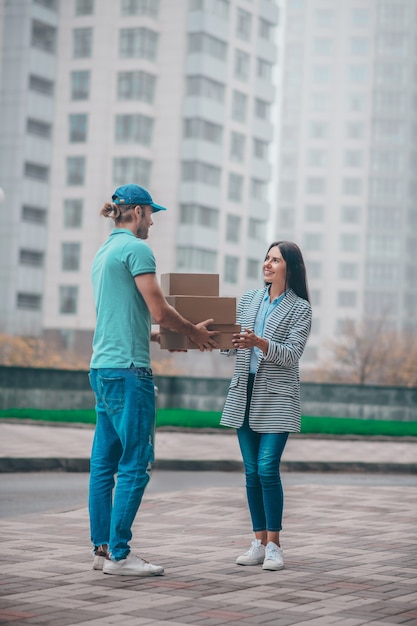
{"points": [[123, 328]]}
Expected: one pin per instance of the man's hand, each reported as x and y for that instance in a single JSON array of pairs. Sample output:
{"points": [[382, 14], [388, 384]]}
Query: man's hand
{"points": [[202, 337]]}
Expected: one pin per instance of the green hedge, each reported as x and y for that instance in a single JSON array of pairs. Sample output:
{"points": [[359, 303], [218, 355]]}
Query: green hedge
{"points": [[187, 418]]}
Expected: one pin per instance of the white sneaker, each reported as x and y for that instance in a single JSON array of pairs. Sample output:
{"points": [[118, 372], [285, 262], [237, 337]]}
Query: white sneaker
{"points": [[254, 556], [274, 557], [132, 565]]}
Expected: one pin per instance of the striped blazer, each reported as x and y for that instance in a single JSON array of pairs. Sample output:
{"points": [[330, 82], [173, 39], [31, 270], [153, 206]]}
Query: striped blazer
{"points": [[275, 405]]}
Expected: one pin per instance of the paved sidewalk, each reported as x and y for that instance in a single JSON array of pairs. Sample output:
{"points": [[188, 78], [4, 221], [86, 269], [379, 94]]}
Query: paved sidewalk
{"points": [[32, 446], [350, 561]]}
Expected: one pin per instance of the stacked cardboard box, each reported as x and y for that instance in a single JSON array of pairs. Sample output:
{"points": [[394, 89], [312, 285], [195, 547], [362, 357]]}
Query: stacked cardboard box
{"points": [[196, 297]]}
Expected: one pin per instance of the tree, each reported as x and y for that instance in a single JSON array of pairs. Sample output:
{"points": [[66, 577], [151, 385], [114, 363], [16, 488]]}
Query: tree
{"points": [[369, 353]]}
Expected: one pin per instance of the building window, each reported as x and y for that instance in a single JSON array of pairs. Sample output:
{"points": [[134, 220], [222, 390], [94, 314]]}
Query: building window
{"points": [[355, 130], [41, 85], [233, 226], [43, 37], [75, 171], [266, 29], [320, 101], [313, 241], [324, 18], [205, 87], [39, 128], [80, 85], [239, 106], [73, 213], [315, 295], [197, 128], [48, 4], [220, 8], [206, 44], [260, 149], [33, 215], [199, 216], [349, 242], [264, 69], [138, 43], [288, 190], [256, 229], [82, 43], [136, 85], [68, 299], [36, 171], [237, 147], [318, 130], [196, 259], [348, 271], [358, 74], [241, 70], [126, 169], [196, 171], [78, 128], [352, 186], [259, 189], [359, 46], [314, 269], [33, 258], [316, 185], [231, 269], [323, 46], [134, 128], [350, 214], [235, 187], [314, 213], [29, 301], [353, 158], [84, 7], [346, 298], [360, 17], [243, 24], [140, 7], [262, 109], [253, 269], [70, 256], [322, 74], [317, 158], [356, 102]]}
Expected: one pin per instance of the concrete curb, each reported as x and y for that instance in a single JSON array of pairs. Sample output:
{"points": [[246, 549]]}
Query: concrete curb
{"points": [[15, 464]]}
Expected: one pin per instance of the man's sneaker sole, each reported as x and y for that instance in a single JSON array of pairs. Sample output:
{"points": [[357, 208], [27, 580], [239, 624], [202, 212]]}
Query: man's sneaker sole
{"points": [[272, 566]]}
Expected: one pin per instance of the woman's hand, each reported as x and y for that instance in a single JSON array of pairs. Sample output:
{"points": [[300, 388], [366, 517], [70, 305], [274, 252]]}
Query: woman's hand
{"points": [[247, 339]]}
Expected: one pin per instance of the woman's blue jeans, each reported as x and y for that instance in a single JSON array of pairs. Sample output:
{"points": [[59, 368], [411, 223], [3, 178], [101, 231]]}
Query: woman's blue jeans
{"points": [[261, 453], [124, 445]]}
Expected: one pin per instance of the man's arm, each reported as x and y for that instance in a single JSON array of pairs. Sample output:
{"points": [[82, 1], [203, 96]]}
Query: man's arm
{"points": [[165, 315]]}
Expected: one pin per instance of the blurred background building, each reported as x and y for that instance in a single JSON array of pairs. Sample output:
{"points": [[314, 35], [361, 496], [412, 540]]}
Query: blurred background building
{"points": [[249, 119]]}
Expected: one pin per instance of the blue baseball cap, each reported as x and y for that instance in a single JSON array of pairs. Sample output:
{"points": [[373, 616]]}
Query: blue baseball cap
{"points": [[133, 194]]}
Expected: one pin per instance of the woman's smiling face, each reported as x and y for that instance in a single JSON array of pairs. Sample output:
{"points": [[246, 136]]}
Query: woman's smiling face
{"points": [[275, 270]]}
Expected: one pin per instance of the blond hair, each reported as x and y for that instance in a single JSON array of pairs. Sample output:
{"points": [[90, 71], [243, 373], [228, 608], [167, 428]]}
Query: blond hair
{"points": [[117, 212]]}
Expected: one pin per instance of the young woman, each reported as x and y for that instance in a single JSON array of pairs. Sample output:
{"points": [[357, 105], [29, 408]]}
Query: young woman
{"points": [[263, 401]]}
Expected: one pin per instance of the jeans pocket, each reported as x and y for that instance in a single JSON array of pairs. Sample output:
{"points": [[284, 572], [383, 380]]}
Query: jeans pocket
{"points": [[112, 392]]}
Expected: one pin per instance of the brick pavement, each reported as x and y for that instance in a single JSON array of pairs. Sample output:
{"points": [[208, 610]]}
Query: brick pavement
{"points": [[350, 560]]}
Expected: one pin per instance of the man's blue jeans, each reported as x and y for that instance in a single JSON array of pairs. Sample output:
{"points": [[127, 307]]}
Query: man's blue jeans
{"points": [[261, 453], [124, 445]]}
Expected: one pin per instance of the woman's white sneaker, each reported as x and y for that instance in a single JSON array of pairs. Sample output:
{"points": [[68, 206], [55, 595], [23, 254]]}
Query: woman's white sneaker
{"points": [[132, 565], [254, 556], [274, 557]]}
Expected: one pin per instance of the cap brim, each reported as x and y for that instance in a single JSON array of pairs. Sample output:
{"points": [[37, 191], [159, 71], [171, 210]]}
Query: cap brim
{"points": [[157, 207]]}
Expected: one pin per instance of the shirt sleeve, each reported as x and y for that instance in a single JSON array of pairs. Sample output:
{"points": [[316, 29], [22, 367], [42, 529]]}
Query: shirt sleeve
{"points": [[139, 258]]}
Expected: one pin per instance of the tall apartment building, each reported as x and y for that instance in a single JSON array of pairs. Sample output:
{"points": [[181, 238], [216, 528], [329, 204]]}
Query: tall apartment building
{"points": [[348, 175], [175, 96], [28, 48]]}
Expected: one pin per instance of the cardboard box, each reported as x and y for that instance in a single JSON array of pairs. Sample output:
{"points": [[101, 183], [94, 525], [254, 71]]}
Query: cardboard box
{"points": [[171, 340], [190, 284], [199, 308]]}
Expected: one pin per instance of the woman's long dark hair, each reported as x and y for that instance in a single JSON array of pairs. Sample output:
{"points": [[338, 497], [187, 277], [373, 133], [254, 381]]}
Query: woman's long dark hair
{"points": [[296, 276]]}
